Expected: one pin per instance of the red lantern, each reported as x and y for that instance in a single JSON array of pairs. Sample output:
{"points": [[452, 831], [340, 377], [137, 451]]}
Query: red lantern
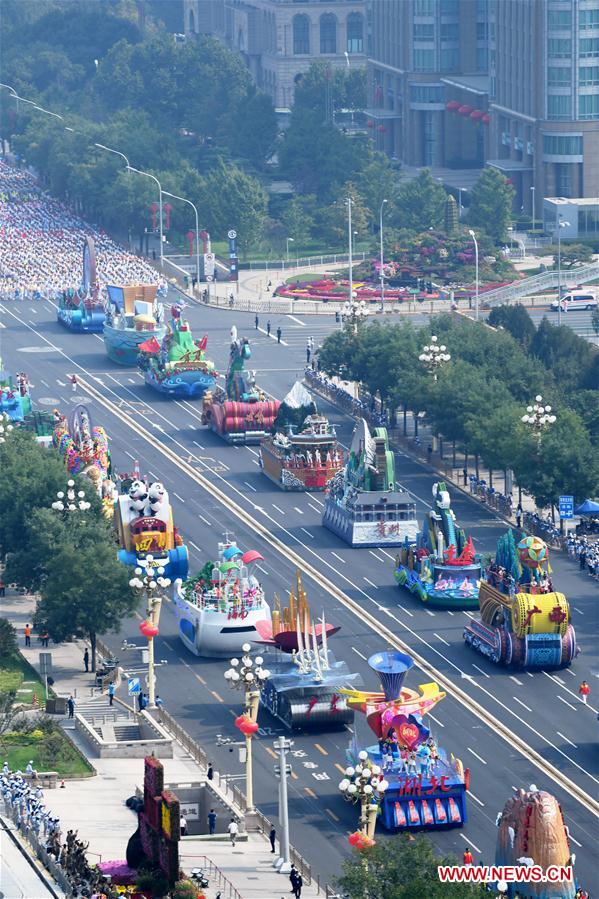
{"points": [[476, 114], [381, 128], [360, 840], [190, 238], [153, 212], [452, 106], [148, 629], [246, 725], [167, 215], [486, 119], [464, 110], [370, 123]]}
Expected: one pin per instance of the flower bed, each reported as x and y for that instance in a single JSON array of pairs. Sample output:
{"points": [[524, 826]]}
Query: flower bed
{"points": [[337, 291]]}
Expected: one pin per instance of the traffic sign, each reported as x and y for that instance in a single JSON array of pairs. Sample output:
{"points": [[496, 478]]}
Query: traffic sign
{"points": [[232, 234], [566, 507], [133, 686]]}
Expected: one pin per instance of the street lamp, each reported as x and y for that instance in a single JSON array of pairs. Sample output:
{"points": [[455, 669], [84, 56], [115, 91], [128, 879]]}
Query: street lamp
{"points": [[561, 224], [460, 189], [288, 240], [350, 236], [433, 356], [382, 274], [248, 675], [532, 206], [194, 207], [365, 784], [354, 312], [154, 178], [72, 502], [6, 426], [538, 417], [283, 746], [149, 581], [471, 233], [116, 152]]}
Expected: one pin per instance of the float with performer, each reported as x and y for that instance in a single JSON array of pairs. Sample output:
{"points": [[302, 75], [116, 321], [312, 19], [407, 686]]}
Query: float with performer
{"points": [[523, 622], [303, 452], [134, 315], [424, 789], [14, 401], [219, 608], [177, 366], [143, 520], [81, 309], [304, 687], [84, 449], [364, 505], [443, 568], [240, 413]]}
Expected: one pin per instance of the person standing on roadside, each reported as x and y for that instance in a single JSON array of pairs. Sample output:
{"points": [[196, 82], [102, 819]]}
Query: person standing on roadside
{"points": [[210, 772], [272, 837], [268, 328], [233, 829], [111, 692], [297, 890], [211, 822], [279, 334], [256, 322], [584, 691], [86, 659], [71, 706]]}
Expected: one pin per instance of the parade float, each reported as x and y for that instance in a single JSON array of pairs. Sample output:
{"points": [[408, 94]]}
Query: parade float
{"points": [[178, 366], [303, 689], [134, 315], [240, 413], [81, 309], [84, 449], [303, 453], [443, 569], [532, 831], [364, 505], [523, 622], [14, 401], [219, 608], [143, 519], [424, 789]]}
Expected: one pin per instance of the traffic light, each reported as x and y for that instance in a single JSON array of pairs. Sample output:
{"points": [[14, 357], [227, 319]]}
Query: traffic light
{"points": [[278, 770]]}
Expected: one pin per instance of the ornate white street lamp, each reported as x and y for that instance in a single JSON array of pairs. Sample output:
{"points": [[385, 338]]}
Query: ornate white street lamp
{"points": [[6, 426], [354, 312], [72, 502], [434, 356], [538, 417], [149, 582], [247, 674], [365, 784]]}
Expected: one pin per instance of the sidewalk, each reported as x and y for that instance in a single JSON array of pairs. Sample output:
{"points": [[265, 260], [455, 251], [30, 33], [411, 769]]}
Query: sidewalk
{"points": [[95, 806]]}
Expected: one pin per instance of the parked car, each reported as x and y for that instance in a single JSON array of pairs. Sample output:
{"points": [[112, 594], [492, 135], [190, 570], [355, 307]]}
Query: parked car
{"points": [[577, 299]]}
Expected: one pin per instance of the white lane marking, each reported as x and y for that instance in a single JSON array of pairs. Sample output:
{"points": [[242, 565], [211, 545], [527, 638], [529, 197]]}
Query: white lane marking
{"points": [[131, 456], [251, 450], [428, 612], [358, 653], [561, 698], [436, 720], [308, 533], [573, 673], [272, 336], [570, 837], [317, 501], [476, 799], [97, 336], [442, 639], [481, 670], [385, 553], [530, 674], [205, 520], [476, 755], [337, 557], [371, 584], [303, 324], [450, 613], [255, 461], [407, 611], [180, 498], [524, 706], [298, 510], [563, 686], [559, 680], [195, 546], [378, 558], [470, 843], [131, 380], [195, 442], [60, 383], [314, 508], [45, 383], [263, 570], [277, 508], [567, 739], [250, 486], [516, 681]]}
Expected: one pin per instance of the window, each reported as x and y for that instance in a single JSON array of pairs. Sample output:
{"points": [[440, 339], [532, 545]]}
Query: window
{"points": [[558, 77], [562, 144], [482, 59], [424, 32], [559, 18], [588, 106], [449, 32], [450, 60], [482, 31], [301, 35], [589, 46], [192, 22], [588, 75], [424, 7], [424, 60], [588, 220], [328, 33], [449, 7], [559, 107], [355, 33], [426, 93], [588, 18], [563, 179], [559, 48]]}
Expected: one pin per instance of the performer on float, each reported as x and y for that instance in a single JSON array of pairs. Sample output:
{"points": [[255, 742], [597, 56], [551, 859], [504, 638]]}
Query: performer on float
{"points": [[82, 309], [134, 315], [178, 366], [14, 401], [84, 448]]}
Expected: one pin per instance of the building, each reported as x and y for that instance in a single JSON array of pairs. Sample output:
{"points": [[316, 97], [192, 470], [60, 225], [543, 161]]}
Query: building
{"points": [[577, 218], [280, 39], [458, 84]]}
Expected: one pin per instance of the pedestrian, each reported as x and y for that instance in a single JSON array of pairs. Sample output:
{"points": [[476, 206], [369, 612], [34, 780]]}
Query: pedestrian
{"points": [[74, 382], [308, 354], [211, 822], [582, 558], [159, 701], [256, 322], [210, 772], [27, 635], [337, 318], [297, 890], [183, 824], [584, 691], [311, 343], [268, 328], [293, 875], [2, 588], [279, 333], [45, 637], [71, 706], [467, 858], [231, 300], [233, 829], [111, 692], [272, 837], [86, 659]]}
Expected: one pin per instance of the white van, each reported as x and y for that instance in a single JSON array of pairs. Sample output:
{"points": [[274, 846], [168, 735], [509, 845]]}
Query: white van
{"points": [[577, 299]]}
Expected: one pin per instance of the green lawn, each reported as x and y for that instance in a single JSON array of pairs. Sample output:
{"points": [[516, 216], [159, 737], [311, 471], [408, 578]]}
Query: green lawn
{"points": [[18, 675], [53, 752]]}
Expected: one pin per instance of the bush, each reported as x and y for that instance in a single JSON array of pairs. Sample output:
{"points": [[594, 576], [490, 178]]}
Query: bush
{"points": [[8, 639], [184, 889]]}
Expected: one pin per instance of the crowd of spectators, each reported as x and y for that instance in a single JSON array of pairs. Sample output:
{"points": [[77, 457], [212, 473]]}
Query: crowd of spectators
{"points": [[42, 245], [586, 550]]}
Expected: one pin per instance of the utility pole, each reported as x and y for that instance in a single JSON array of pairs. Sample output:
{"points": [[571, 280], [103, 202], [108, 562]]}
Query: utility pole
{"points": [[283, 863]]}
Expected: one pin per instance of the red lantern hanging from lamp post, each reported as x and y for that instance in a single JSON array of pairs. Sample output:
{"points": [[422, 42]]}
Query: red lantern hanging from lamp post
{"points": [[154, 214]]}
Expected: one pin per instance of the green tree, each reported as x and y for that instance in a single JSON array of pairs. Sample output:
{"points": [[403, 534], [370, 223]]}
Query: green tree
{"points": [[516, 320], [231, 198], [571, 359], [491, 204], [575, 254], [322, 82], [378, 181], [8, 639], [420, 203], [334, 218], [252, 130], [297, 218]]}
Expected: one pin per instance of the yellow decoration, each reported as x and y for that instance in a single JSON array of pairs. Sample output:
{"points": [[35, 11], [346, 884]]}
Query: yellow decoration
{"points": [[524, 623]]}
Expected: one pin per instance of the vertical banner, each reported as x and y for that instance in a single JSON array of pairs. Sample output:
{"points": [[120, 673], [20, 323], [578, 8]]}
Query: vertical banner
{"points": [[233, 261]]}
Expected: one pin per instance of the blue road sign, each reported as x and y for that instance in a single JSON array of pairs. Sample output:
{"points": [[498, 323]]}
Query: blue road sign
{"points": [[133, 686], [566, 507]]}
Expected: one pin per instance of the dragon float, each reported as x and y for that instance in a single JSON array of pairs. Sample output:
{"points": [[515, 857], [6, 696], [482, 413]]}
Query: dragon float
{"points": [[177, 367], [304, 688], [219, 608], [364, 505], [443, 569], [523, 622], [134, 315], [81, 309], [240, 413], [303, 453], [424, 788]]}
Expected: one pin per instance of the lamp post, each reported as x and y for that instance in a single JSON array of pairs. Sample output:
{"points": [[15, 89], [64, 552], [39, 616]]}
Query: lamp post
{"points": [[350, 237], [560, 224], [288, 240], [6, 426], [154, 178], [532, 207], [248, 675], [283, 745], [538, 417], [149, 581], [382, 274], [116, 152], [434, 356], [195, 209], [460, 189], [365, 784], [472, 235], [354, 312], [72, 502]]}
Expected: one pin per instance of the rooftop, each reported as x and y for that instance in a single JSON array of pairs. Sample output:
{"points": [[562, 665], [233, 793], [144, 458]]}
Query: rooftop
{"points": [[475, 84]]}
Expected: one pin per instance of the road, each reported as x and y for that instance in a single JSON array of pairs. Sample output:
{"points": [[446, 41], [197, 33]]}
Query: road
{"points": [[19, 878], [166, 437]]}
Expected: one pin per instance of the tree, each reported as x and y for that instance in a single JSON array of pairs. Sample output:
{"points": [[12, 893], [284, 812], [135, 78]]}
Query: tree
{"points": [[231, 198], [571, 359], [574, 254], [8, 639], [491, 204], [297, 218], [324, 86], [400, 869], [516, 320], [253, 129], [378, 181], [420, 203], [334, 218]]}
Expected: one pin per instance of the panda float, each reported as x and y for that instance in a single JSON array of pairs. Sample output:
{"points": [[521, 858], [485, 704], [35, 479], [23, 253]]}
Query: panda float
{"points": [[145, 501]]}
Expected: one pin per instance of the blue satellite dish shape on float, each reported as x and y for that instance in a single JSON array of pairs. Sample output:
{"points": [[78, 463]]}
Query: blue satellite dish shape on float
{"points": [[230, 552], [391, 668]]}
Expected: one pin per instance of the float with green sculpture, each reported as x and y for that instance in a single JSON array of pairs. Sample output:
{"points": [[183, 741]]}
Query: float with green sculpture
{"points": [[177, 367]]}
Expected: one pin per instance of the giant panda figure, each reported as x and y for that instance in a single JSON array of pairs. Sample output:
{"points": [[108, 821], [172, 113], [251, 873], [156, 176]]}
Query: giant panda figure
{"points": [[156, 496], [138, 495]]}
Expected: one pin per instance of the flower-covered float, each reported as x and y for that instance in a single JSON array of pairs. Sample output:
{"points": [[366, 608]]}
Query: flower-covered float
{"points": [[14, 401], [219, 608], [84, 448], [178, 366], [134, 315], [303, 453], [81, 309], [364, 505], [442, 570], [240, 413], [303, 689], [523, 622], [424, 789]]}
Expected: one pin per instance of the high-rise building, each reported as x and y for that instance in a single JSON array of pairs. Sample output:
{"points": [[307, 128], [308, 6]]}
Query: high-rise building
{"points": [[280, 39]]}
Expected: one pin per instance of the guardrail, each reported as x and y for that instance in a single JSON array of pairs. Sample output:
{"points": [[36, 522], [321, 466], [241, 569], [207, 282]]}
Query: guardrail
{"points": [[537, 283], [213, 871], [47, 860], [302, 262]]}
